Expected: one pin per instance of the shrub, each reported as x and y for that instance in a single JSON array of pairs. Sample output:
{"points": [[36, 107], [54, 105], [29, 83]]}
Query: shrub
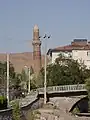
{"points": [[75, 110], [16, 110], [33, 115], [3, 102]]}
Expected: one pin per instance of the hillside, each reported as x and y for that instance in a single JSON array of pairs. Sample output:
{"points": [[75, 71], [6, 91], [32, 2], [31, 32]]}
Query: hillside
{"points": [[19, 60]]}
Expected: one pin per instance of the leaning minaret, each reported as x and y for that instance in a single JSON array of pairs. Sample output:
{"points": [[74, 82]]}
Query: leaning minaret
{"points": [[36, 49]]}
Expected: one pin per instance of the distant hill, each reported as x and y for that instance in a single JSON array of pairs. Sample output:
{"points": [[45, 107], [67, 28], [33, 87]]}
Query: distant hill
{"points": [[20, 60]]}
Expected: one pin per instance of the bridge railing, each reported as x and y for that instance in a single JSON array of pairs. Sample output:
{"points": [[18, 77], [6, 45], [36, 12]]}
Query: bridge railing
{"points": [[64, 88], [67, 88]]}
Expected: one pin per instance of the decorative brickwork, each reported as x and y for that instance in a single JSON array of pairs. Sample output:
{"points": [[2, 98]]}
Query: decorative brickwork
{"points": [[36, 49]]}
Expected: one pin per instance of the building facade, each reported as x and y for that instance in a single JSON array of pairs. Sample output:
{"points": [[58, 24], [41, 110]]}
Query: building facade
{"points": [[79, 50], [83, 56]]}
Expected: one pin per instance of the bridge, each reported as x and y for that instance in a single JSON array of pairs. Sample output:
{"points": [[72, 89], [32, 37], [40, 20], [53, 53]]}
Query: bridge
{"points": [[63, 88], [67, 103], [53, 89], [31, 101]]}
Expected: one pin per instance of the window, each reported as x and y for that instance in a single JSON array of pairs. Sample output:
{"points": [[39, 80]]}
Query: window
{"points": [[88, 53], [75, 53]]}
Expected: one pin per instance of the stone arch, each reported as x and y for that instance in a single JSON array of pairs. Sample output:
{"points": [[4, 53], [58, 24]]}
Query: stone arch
{"points": [[82, 100]]}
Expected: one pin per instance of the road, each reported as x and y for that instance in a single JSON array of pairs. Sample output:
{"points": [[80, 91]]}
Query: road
{"points": [[56, 110]]}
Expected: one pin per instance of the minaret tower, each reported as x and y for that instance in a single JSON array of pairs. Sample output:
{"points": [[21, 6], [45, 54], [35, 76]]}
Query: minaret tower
{"points": [[36, 49]]}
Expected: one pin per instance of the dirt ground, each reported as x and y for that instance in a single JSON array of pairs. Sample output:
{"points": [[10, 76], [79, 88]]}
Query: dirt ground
{"points": [[52, 111]]}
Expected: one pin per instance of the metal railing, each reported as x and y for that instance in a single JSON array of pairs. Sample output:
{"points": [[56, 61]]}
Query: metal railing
{"points": [[64, 88]]}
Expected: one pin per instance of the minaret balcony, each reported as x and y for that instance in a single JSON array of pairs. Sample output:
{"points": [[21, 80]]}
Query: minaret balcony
{"points": [[36, 42]]}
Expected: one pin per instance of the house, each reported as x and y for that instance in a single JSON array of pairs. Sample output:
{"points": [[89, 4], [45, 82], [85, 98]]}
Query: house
{"points": [[79, 49]]}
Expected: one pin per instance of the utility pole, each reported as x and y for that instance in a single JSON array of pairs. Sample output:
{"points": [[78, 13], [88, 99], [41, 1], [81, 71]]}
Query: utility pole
{"points": [[8, 78], [45, 91], [45, 71], [45, 68], [29, 78]]}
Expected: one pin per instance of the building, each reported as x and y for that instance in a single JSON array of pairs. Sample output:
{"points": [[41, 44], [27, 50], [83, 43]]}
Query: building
{"points": [[34, 58], [79, 50]]}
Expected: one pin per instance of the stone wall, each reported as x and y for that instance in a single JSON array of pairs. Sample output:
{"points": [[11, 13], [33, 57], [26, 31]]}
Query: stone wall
{"points": [[7, 114], [34, 105]]}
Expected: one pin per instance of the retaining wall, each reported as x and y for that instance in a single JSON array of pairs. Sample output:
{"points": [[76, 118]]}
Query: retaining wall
{"points": [[7, 114]]}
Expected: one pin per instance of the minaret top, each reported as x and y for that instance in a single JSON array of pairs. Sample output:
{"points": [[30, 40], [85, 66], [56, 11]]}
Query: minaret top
{"points": [[36, 28]]}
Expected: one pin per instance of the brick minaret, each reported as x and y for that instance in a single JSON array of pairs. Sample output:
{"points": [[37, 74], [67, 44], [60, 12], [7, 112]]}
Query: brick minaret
{"points": [[36, 49]]}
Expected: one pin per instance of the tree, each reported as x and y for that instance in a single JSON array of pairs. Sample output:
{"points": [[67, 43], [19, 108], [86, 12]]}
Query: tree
{"points": [[25, 78], [31, 70], [3, 72], [37, 81], [16, 80], [88, 90], [65, 71], [33, 115]]}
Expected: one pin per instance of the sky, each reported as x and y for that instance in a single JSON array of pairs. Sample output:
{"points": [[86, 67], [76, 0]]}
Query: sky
{"points": [[64, 20]]}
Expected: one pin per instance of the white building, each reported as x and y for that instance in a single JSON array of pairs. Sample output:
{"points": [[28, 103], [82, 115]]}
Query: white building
{"points": [[79, 50], [82, 56]]}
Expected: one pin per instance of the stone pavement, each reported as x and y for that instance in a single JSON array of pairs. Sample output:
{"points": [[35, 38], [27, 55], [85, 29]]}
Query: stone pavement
{"points": [[27, 100], [60, 115], [65, 103], [56, 110]]}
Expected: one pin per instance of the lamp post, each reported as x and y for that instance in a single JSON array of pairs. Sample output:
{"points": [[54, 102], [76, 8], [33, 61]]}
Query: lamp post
{"points": [[8, 79], [45, 67]]}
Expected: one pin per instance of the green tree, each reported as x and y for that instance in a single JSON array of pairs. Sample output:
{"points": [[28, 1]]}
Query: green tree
{"points": [[31, 70], [3, 72], [88, 90], [16, 80], [65, 71], [23, 75], [37, 81], [33, 115], [25, 78]]}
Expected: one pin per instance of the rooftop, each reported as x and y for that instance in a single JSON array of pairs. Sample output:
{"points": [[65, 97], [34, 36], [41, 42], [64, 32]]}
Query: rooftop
{"points": [[77, 44]]}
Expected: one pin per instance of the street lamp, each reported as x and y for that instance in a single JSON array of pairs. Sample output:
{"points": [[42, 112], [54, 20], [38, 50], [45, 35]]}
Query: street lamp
{"points": [[45, 71], [29, 78], [8, 79]]}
